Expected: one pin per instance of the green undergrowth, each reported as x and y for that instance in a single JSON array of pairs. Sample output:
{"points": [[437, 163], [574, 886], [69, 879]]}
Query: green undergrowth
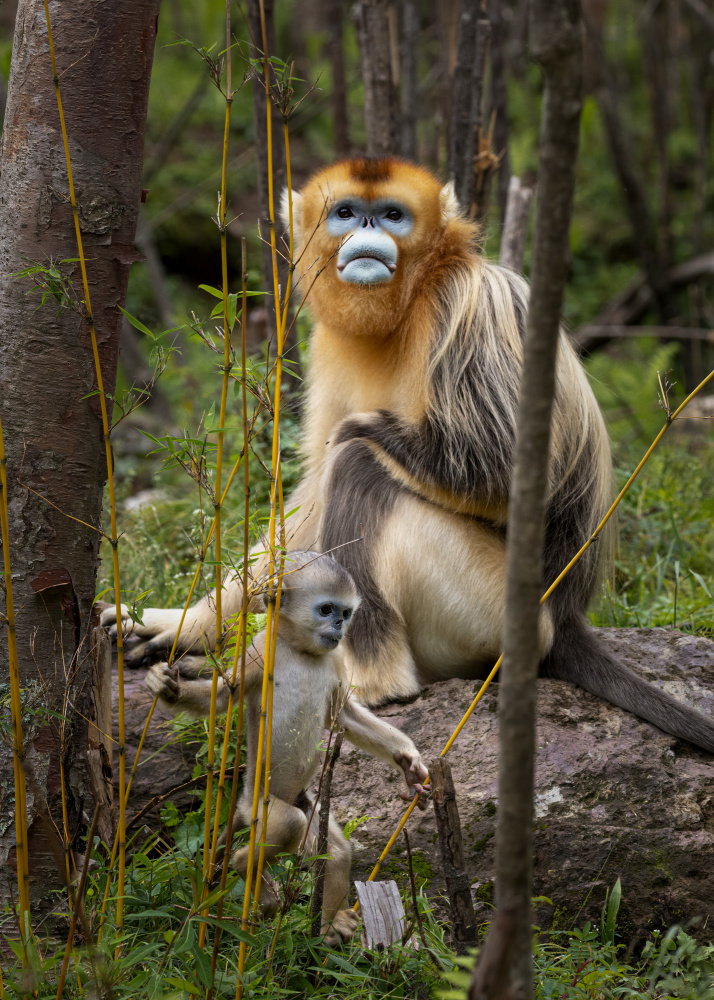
{"points": [[663, 573], [160, 954], [592, 963], [161, 958]]}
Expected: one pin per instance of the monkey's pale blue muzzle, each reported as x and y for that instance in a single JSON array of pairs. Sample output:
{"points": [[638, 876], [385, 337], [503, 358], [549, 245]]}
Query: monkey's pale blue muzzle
{"points": [[367, 257]]}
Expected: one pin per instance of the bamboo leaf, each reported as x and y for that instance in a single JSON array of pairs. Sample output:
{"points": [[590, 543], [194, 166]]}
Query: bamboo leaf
{"points": [[137, 323]]}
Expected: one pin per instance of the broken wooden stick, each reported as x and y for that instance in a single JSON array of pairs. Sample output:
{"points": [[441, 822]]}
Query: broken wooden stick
{"points": [[448, 825]]}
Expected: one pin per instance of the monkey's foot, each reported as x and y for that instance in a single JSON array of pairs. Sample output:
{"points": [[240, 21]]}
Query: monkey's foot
{"points": [[162, 681], [269, 900], [342, 927]]}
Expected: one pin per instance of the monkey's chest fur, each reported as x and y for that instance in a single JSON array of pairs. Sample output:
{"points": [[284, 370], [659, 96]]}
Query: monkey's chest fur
{"points": [[305, 697]]}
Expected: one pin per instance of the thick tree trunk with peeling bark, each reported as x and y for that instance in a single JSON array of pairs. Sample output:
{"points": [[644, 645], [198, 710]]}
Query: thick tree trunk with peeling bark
{"points": [[53, 432]]}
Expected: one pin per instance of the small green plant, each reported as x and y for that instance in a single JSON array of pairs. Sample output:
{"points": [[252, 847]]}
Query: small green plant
{"points": [[583, 964]]}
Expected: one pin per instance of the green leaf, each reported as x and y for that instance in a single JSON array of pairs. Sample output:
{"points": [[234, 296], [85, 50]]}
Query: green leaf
{"points": [[342, 963], [232, 307], [215, 292], [202, 965], [702, 582], [137, 323], [609, 914], [228, 928], [183, 984]]}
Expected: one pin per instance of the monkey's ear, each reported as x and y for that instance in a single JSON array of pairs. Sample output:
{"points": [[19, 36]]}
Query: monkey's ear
{"points": [[285, 199], [449, 203]]}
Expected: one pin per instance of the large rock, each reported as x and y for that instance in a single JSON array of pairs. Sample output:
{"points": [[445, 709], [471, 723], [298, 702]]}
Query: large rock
{"points": [[165, 763], [615, 797]]}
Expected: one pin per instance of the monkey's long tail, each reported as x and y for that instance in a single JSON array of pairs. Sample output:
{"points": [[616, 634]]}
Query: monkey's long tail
{"points": [[580, 656]]}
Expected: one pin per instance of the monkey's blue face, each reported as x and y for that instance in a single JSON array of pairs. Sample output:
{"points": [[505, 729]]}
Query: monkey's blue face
{"points": [[368, 255], [331, 618]]}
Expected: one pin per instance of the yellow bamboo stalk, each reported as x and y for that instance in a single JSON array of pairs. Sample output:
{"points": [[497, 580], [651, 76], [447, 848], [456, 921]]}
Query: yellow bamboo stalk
{"points": [[561, 576], [269, 723], [277, 472], [275, 585], [149, 717], [207, 844], [18, 747], [242, 633], [241, 638], [110, 482], [65, 834]]}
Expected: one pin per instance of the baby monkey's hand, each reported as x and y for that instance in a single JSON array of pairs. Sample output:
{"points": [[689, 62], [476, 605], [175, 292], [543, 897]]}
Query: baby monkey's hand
{"points": [[414, 774], [163, 682]]}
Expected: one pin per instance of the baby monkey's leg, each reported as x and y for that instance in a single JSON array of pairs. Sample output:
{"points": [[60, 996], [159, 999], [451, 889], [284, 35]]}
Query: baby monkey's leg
{"points": [[283, 835], [338, 922]]}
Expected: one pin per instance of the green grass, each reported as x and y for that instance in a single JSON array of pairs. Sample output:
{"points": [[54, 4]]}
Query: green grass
{"points": [[664, 560]]}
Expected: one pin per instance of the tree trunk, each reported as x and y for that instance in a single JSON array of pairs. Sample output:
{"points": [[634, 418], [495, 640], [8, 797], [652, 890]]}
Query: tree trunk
{"points": [[466, 100], [515, 224], [339, 88], [53, 432], [556, 43], [499, 101], [377, 38], [410, 73]]}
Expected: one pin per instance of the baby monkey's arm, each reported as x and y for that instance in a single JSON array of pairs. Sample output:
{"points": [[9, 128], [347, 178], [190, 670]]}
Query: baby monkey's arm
{"points": [[186, 686], [378, 738]]}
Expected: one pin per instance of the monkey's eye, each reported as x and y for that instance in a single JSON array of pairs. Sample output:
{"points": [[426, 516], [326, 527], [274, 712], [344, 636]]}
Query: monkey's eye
{"points": [[345, 212], [325, 610], [347, 614], [394, 215]]}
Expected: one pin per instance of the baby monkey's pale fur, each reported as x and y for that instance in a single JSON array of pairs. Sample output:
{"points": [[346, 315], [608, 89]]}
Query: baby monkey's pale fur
{"points": [[311, 693]]}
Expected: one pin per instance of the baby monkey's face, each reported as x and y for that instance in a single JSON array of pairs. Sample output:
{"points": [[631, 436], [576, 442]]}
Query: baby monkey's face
{"points": [[318, 601], [315, 620], [331, 616]]}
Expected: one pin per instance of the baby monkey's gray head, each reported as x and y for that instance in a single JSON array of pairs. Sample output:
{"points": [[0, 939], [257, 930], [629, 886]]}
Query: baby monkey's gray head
{"points": [[318, 601]]}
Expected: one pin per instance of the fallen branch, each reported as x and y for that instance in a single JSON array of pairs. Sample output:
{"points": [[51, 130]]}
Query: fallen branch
{"points": [[633, 302], [587, 338]]}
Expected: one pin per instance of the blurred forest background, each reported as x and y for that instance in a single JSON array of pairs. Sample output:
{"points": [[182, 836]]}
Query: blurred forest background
{"points": [[640, 298]]}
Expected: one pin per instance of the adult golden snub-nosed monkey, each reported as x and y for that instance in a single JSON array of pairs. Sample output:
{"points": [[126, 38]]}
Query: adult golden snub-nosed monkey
{"points": [[408, 437], [311, 692]]}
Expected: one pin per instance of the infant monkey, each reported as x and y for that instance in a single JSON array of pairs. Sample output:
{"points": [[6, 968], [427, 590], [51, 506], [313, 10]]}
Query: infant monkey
{"points": [[311, 693]]}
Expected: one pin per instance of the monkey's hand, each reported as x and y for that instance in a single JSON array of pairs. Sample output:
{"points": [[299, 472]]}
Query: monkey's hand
{"points": [[414, 774], [163, 682]]}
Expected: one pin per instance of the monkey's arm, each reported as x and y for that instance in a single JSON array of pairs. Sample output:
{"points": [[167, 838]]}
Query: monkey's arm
{"points": [[186, 687], [420, 458], [377, 737]]}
